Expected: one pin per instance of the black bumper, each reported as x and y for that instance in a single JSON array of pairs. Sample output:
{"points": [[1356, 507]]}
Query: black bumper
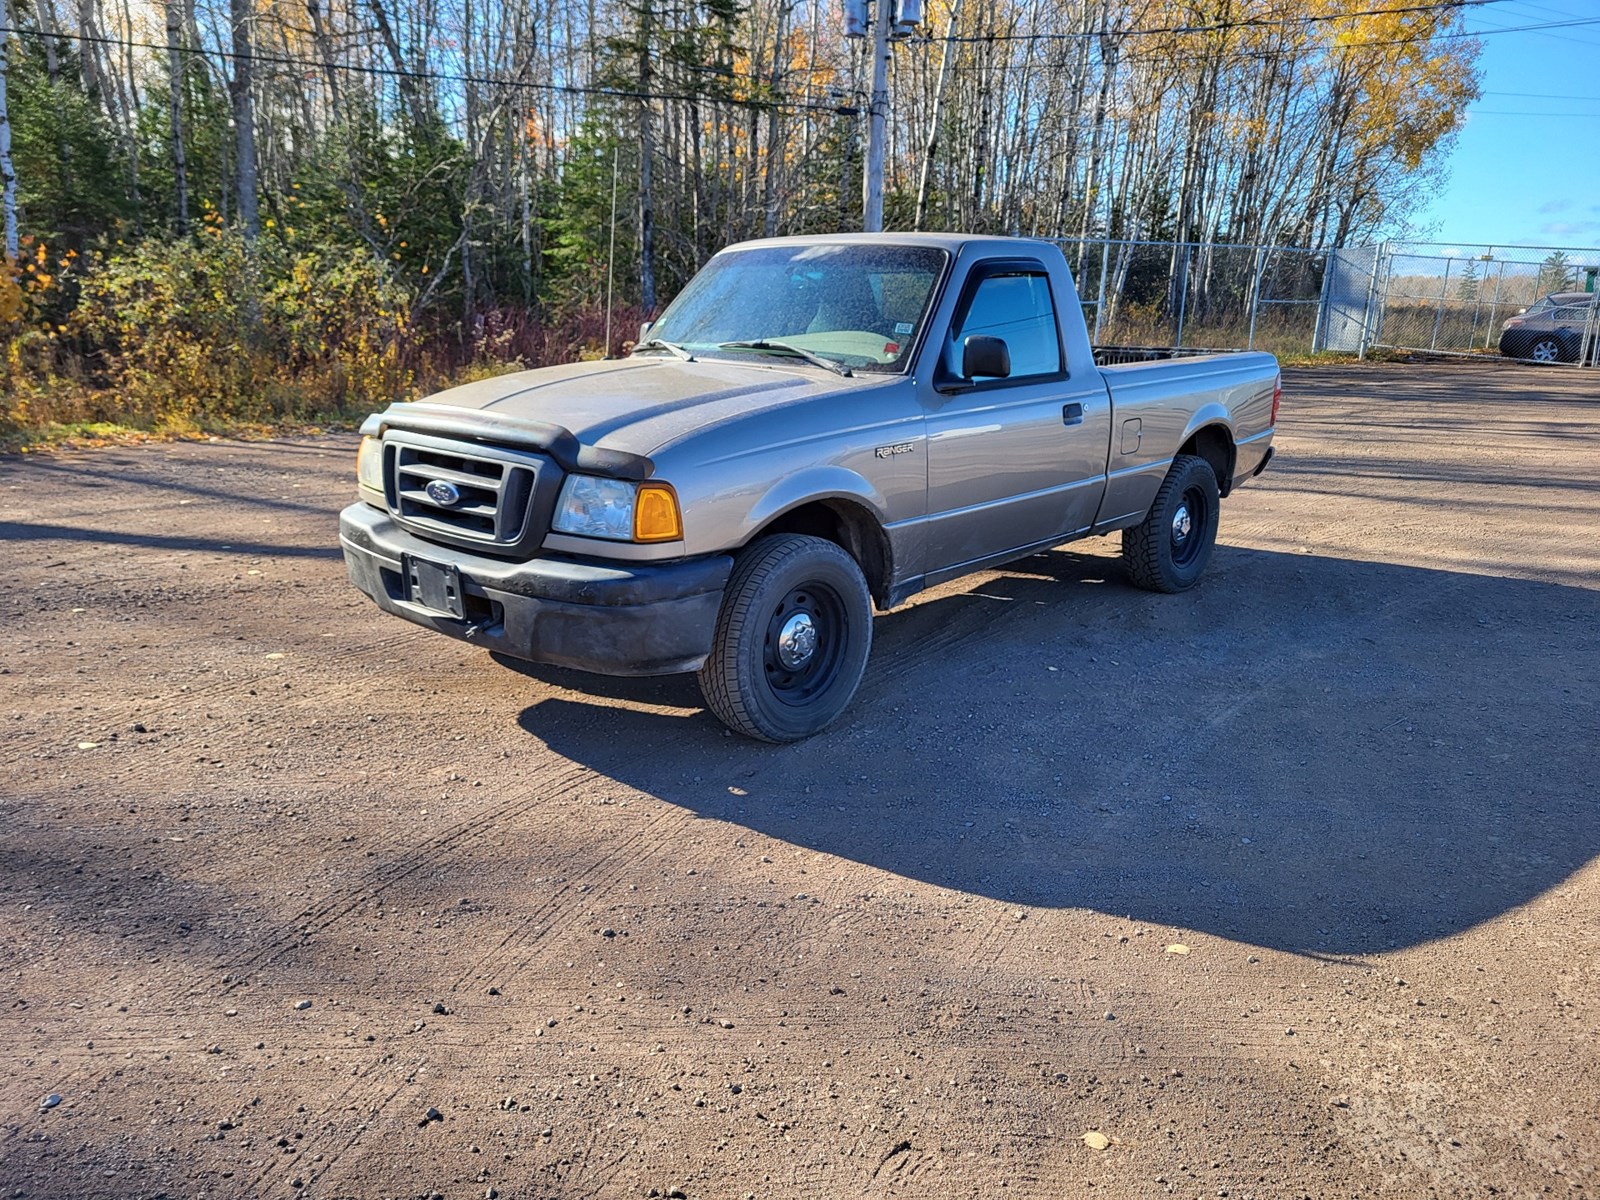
{"points": [[611, 618]]}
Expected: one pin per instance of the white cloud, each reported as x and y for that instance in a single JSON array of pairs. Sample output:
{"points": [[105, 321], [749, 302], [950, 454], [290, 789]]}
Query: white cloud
{"points": [[1571, 230]]}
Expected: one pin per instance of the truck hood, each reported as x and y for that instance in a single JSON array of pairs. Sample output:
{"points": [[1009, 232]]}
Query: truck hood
{"points": [[637, 405]]}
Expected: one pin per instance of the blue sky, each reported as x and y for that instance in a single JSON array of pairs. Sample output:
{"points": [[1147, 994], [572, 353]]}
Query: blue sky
{"points": [[1523, 170]]}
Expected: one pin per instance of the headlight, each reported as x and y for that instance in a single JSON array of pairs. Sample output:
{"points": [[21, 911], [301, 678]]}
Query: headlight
{"points": [[369, 464], [618, 510]]}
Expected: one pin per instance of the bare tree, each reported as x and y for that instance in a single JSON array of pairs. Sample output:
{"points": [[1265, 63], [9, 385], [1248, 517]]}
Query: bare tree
{"points": [[244, 118], [8, 174], [176, 75]]}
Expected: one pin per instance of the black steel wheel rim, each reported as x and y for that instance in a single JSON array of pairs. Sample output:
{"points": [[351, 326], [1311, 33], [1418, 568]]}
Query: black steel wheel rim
{"points": [[1189, 522], [792, 678]]}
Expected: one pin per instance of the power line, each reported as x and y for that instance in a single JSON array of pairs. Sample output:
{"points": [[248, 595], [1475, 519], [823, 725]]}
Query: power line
{"points": [[1499, 112], [1551, 12], [574, 89], [1219, 26], [1539, 96], [1237, 54]]}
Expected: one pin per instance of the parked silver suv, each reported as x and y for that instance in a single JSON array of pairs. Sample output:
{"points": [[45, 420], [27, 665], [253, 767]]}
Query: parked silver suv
{"points": [[1555, 328]]}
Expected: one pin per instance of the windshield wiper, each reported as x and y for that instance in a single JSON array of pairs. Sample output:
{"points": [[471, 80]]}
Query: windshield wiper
{"points": [[670, 347], [811, 356]]}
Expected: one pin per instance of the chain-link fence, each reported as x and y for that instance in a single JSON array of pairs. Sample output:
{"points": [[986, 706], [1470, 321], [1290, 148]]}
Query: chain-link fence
{"points": [[1537, 304], [1195, 296]]}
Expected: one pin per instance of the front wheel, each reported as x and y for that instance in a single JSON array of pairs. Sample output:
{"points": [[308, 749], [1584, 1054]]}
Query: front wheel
{"points": [[1167, 550], [791, 641]]}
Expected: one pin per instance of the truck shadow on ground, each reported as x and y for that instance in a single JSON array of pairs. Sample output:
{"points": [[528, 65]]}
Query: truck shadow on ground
{"points": [[1309, 754]]}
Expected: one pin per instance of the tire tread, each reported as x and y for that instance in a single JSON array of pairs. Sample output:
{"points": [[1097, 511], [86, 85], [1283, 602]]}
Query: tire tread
{"points": [[1145, 545], [724, 679]]}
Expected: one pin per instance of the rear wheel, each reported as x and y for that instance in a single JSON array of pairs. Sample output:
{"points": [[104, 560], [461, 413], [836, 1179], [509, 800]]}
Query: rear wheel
{"points": [[1547, 349], [1168, 550], [791, 641]]}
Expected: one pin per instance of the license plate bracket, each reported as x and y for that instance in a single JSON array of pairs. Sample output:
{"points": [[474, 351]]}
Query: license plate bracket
{"points": [[432, 585]]}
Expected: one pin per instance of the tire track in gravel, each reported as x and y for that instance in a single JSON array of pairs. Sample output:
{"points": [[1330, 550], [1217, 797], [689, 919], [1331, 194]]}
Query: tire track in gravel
{"points": [[441, 847], [364, 1122], [627, 855], [615, 860], [434, 851]]}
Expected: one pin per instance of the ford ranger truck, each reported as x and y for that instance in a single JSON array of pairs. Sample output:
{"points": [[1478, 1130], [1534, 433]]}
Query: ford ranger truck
{"points": [[813, 428]]}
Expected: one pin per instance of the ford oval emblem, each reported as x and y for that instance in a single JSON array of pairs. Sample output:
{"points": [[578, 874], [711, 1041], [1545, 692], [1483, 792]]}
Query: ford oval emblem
{"points": [[443, 493]]}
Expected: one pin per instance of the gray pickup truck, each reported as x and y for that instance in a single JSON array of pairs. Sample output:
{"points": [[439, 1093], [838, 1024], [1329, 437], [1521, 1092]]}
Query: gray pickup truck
{"points": [[814, 426]]}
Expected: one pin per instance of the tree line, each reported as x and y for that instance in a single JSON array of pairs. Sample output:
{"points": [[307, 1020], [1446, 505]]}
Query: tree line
{"points": [[474, 152]]}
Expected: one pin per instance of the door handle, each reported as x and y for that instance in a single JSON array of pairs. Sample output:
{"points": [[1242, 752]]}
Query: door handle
{"points": [[1072, 414]]}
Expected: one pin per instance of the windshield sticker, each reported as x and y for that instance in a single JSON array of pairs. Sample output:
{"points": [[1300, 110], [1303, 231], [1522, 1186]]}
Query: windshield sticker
{"points": [[902, 326]]}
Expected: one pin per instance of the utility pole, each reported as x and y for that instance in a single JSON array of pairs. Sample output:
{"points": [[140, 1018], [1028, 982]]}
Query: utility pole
{"points": [[878, 117], [892, 20]]}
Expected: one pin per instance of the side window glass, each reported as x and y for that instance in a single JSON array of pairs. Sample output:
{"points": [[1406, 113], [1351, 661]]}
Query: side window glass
{"points": [[1018, 309]]}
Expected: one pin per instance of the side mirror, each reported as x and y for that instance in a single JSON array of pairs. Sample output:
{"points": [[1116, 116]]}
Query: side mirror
{"points": [[986, 357], [644, 330]]}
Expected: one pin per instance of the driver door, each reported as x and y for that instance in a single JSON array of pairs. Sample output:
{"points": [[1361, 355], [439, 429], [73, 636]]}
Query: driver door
{"points": [[1018, 461]]}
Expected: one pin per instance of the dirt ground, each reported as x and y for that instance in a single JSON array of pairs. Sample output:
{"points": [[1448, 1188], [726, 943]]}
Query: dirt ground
{"points": [[297, 900]]}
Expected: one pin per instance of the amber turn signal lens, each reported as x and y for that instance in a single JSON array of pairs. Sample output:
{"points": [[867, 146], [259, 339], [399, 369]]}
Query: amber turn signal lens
{"points": [[655, 514]]}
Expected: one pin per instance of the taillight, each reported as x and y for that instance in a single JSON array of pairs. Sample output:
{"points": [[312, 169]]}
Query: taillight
{"points": [[1277, 398]]}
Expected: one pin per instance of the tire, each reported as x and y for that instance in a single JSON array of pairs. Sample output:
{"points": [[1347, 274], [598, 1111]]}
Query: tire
{"points": [[767, 677], [1547, 348], [1168, 550]]}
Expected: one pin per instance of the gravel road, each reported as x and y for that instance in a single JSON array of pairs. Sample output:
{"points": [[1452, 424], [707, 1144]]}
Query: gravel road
{"points": [[1286, 886]]}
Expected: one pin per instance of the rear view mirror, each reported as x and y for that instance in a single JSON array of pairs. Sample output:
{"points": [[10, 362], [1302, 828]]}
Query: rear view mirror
{"points": [[644, 330], [985, 357]]}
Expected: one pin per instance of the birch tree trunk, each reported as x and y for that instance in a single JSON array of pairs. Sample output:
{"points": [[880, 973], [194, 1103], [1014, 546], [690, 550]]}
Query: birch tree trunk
{"points": [[47, 27], [647, 208], [244, 119], [775, 143], [8, 174], [931, 145], [176, 75]]}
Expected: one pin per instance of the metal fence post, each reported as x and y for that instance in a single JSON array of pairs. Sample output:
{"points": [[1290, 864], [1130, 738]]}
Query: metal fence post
{"points": [[1319, 335], [1477, 307], [1369, 327], [1438, 313], [1255, 296], [1183, 293], [1100, 308], [1494, 304]]}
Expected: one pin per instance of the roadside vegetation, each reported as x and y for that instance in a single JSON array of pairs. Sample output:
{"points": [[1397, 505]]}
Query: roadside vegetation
{"points": [[265, 212]]}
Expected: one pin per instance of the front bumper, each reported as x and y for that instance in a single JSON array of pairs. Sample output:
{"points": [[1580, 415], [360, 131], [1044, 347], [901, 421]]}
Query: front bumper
{"points": [[611, 618]]}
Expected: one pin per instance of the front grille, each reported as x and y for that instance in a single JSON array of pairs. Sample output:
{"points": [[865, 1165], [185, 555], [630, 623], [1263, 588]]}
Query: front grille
{"points": [[466, 492]]}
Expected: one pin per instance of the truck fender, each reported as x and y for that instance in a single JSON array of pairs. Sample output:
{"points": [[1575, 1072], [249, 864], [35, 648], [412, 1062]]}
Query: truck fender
{"points": [[1215, 442], [1208, 414], [856, 521], [815, 484]]}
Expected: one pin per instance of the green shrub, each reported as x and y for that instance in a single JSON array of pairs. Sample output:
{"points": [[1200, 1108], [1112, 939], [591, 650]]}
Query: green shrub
{"points": [[211, 330]]}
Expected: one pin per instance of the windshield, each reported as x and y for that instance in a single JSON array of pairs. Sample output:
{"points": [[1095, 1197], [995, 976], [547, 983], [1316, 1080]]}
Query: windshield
{"points": [[860, 306]]}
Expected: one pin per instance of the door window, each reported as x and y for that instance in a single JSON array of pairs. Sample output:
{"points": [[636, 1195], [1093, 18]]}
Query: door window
{"points": [[1017, 308]]}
